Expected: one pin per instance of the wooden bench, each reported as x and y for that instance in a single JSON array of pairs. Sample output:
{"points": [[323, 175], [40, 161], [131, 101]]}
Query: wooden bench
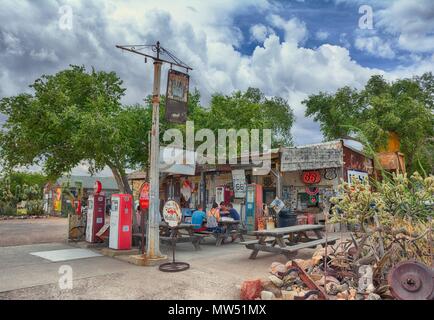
{"points": [[288, 251], [219, 236]]}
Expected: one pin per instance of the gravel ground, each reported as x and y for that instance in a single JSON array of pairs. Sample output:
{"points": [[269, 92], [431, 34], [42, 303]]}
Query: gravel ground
{"points": [[32, 231], [215, 273]]}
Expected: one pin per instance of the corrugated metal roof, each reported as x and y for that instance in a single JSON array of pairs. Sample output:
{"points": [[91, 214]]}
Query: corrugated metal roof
{"points": [[108, 183], [137, 175]]}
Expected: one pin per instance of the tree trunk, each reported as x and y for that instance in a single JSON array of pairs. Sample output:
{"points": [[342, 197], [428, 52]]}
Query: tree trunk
{"points": [[121, 180]]}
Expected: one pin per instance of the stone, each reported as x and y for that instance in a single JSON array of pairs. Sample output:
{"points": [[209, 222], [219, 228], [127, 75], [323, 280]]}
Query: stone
{"points": [[267, 295], [251, 289], [316, 260], [304, 264], [315, 276], [269, 286], [352, 294], [319, 252], [289, 295], [312, 297], [290, 278], [343, 287], [278, 269], [276, 280], [360, 296], [342, 295], [365, 281], [373, 296], [332, 288], [329, 279]]}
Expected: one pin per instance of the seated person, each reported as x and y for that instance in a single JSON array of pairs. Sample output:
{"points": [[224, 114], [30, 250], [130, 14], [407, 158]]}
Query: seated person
{"points": [[233, 213], [198, 218], [213, 218], [223, 209]]}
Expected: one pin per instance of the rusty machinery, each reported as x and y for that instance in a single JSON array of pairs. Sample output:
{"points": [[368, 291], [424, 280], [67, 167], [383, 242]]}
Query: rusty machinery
{"points": [[411, 280]]}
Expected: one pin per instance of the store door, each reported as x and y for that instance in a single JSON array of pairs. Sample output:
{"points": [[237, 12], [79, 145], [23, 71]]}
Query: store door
{"points": [[269, 195]]}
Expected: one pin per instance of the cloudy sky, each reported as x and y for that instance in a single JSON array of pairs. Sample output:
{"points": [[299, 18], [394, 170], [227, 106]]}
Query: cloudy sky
{"points": [[286, 48]]}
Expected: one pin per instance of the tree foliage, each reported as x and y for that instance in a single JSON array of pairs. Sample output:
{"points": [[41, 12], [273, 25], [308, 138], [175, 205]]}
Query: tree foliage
{"points": [[404, 107], [21, 186], [74, 116], [251, 110], [240, 110]]}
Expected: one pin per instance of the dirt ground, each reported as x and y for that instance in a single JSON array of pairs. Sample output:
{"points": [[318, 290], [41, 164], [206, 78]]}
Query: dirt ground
{"points": [[32, 231], [216, 273]]}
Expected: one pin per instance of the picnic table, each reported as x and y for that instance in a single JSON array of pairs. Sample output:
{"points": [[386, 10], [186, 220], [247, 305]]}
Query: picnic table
{"points": [[231, 229], [183, 232], [287, 240]]}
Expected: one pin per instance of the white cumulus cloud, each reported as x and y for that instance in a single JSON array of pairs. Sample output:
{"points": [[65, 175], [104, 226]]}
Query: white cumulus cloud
{"points": [[375, 46]]}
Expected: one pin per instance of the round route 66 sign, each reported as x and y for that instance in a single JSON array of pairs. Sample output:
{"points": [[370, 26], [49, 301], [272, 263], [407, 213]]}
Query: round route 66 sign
{"points": [[172, 213]]}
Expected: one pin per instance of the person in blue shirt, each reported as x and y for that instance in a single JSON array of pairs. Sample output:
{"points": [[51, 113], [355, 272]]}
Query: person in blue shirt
{"points": [[198, 218], [233, 213]]}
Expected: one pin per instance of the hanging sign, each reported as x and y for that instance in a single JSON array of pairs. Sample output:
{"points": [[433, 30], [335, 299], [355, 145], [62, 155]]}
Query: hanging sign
{"points": [[144, 196], [186, 190], [277, 205], [330, 173], [177, 96], [312, 191], [239, 182], [311, 177], [359, 175], [313, 200], [172, 213]]}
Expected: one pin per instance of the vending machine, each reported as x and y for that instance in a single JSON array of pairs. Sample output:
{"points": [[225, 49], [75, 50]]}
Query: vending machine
{"points": [[253, 206], [95, 216], [121, 219]]}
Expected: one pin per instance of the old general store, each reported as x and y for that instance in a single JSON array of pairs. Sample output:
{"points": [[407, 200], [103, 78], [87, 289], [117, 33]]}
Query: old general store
{"points": [[300, 176]]}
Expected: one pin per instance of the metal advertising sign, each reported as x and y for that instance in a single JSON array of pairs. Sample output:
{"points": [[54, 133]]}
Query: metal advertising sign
{"points": [[295, 159], [172, 213], [144, 196], [359, 175], [330, 173], [177, 96], [311, 177], [239, 181]]}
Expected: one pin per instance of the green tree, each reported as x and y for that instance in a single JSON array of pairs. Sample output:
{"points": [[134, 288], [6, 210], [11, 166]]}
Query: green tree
{"points": [[240, 110], [74, 116], [404, 107]]}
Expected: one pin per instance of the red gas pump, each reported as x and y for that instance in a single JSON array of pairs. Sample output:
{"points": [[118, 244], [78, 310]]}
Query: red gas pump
{"points": [[121, 220], [95, 216]]}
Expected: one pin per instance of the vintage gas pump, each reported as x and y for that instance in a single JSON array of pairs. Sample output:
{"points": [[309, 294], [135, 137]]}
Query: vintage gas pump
{"points": [[253, 206], [121, 220], [95, 213]]}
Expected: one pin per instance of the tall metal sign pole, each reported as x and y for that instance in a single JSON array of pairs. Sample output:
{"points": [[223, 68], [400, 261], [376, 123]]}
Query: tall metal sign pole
{"points": [[153, 235]]}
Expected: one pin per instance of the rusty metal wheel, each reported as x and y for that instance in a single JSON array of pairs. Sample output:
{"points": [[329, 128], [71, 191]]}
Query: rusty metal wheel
{"points": [[174, 266], [411, 280]]}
